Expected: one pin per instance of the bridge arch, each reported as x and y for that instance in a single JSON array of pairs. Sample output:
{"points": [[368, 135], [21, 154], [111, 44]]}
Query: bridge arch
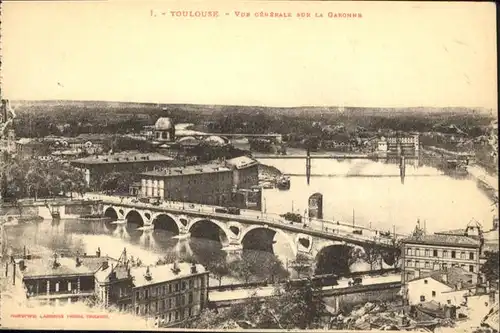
{"points": [[111, 212], [223, 236], [134, 218], [284, 235], [337, 257], [166, 221]]}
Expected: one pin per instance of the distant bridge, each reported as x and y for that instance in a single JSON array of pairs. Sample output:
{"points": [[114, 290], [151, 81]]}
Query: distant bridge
{"points": [[236, 232], [333, 156], [276, 137]]}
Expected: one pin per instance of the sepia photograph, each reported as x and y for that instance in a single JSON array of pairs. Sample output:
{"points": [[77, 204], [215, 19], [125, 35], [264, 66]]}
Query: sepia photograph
{"points": [[249, 165]]}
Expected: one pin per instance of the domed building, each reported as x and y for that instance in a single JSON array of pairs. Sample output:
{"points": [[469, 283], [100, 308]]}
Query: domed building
{"points": [[164, 129]]}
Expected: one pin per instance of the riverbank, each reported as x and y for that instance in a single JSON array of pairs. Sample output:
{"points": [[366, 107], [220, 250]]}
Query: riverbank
{"points": [[267, 171]]}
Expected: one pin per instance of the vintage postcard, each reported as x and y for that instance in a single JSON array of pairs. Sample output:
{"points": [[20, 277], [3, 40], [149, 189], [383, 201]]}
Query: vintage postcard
{"points": [[231, 165]]}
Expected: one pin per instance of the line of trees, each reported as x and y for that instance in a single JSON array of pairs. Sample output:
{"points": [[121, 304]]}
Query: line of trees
{"points": [[288, 308], [34, 178]]}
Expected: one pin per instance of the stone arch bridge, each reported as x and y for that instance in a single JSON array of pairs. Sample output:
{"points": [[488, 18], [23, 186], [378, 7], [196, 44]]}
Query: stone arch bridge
{"points": [[237, 232]]}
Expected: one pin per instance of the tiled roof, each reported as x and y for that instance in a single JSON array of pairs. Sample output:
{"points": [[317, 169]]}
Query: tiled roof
{"points": [[242, 162], [162, 273], [188, 170], [128, 157], [439, 239], [103, 275], [94, 262], [451, 232], [44, 267], [455, 276]]}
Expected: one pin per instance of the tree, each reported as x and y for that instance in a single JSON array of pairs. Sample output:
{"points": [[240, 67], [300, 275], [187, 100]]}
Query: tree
{"points": [[243, 268], [219, 268], [355, 255], [272, 267], [490, 268], [371, 255], [301, 264]]}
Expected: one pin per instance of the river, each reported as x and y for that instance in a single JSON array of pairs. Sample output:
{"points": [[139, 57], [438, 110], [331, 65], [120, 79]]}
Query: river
{"points": [[365, 191]]}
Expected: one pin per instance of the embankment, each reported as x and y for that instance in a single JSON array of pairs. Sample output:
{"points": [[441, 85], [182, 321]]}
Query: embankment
{"points": [[266, 171]]}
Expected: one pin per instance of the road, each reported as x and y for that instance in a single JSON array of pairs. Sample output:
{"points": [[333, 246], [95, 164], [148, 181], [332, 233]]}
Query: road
{"points": [[237, 294], [332, 228]]}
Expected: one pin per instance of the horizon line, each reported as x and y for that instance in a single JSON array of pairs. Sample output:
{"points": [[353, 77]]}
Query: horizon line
{"points": [[258, 106]]}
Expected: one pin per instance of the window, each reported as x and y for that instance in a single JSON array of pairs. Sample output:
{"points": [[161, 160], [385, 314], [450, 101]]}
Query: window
{"points": [[427, 253], [137, 295], [435, 253], [177, 287], [417, 263], [453, 254], [422, 298], [417, 252], [177, 301], [191, 283], [184, 285], [408, 251], [170, 288], [137, 310], [445, 254], [433, 293], [69, 286], [408, 263], [190, 312], [471, 256], [427, 264], [183, 300], [146, 294], [425, 281], [448, 301], [164, 289], [445, 266], [471, 268], [190, 300], [176, 315], [170, 302]]}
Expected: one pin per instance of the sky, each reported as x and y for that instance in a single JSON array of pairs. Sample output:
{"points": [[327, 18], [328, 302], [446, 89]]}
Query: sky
{"points": [[398, 54]]}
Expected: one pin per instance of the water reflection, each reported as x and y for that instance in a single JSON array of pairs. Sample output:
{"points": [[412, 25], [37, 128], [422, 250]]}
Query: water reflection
{"points": [[72, 236]]}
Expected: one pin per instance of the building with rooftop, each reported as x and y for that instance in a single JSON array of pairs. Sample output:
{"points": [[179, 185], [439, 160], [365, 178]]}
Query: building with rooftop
{"points": [[245, 171], [99, 165], [164, 130], [210, 184], [59, 279], [423, 253], [170, 293]]}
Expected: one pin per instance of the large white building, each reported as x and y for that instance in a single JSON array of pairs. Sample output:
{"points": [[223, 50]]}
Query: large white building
{"points": [[423, 253]]}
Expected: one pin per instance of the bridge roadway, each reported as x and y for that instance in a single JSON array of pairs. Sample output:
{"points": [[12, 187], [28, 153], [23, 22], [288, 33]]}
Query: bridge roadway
{"points": [[321, 228], [233, 135], [369, 283], [330, 156]]}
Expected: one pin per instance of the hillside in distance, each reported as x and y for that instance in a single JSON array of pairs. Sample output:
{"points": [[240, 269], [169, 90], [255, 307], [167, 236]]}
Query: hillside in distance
{"points": [[201, 109]]}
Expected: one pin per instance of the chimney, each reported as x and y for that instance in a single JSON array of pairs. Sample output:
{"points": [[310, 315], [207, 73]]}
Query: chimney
{"points": [[22, 266], [124, 255], [98, 252], [175, 268], [148, 276], [78, 261], [193, 268]]}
